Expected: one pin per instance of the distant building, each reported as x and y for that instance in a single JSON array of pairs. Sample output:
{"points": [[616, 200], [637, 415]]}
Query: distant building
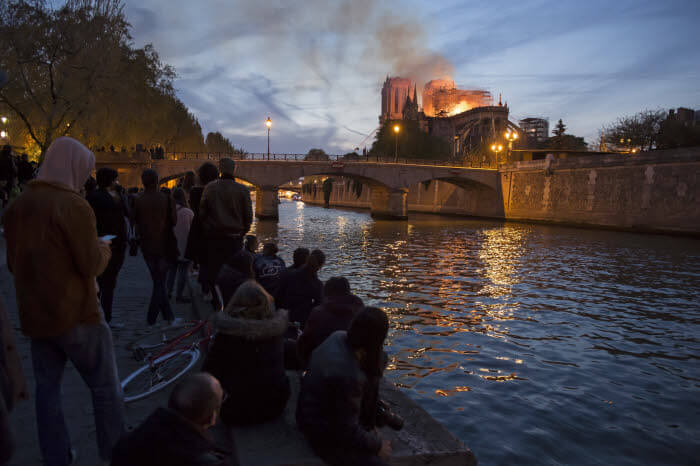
{"points": [[683, 115], [535, 131], [395, 91]]}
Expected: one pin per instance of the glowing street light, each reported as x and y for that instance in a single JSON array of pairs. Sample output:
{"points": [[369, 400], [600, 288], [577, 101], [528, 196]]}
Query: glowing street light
{"points": [[510, 137], [268, 123], [3, 119], [497, 148], [397, 129], [3, 134]]}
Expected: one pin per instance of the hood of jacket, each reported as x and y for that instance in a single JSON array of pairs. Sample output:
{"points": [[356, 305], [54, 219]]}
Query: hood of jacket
{"points": [[67, 162], [251, 329]]}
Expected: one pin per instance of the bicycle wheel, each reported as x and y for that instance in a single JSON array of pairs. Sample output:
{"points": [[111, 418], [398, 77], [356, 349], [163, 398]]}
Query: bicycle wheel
{"points": [[165, 370], [158, 338]]}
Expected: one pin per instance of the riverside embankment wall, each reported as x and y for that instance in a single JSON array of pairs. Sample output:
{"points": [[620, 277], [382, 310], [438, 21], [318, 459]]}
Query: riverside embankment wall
{"points": [[649, 192]]}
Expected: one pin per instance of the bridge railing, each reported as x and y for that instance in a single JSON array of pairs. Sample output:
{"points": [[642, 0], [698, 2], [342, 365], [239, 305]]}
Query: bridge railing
{"points": [[215, 156]]}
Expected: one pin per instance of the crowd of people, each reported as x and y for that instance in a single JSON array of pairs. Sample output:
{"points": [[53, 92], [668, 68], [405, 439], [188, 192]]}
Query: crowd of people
{"points": [[15, 172], [71, 236]]}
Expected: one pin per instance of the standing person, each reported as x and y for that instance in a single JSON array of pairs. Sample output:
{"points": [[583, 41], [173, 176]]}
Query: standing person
{"points": [[300, 290], [226, 213], [25, 171], [55, 256], [8, 173], [195, 250], [335, 388], [181, 230], [110, 209], [154, 215], [269, 268]]}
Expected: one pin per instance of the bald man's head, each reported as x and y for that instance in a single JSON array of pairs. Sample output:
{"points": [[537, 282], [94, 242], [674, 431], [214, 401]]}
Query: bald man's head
{"points": [[198, 398]]}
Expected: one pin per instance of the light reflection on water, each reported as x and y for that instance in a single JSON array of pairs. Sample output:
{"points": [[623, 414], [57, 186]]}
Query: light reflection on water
{"points": [[533, 344]]}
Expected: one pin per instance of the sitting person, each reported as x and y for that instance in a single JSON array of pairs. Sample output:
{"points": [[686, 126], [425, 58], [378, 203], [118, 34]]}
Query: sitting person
{"points": [[247, 356], [234, 273], [337, 385], [177, 435], [301, 290], [336, 311], [269, 268], [298, 258]]}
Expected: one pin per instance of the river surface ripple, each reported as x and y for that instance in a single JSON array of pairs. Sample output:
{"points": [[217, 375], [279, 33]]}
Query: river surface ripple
{"points": [[533, 344]]}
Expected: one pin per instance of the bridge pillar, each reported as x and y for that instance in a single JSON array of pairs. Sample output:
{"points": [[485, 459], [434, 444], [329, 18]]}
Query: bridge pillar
{"points": [[266, 203], [388, 203]]}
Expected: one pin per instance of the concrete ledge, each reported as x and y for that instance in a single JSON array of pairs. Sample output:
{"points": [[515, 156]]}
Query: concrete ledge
{"points": [[423, 440]]}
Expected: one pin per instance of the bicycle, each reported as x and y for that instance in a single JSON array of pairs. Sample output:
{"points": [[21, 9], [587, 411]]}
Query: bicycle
{"points": [[169, 353]]}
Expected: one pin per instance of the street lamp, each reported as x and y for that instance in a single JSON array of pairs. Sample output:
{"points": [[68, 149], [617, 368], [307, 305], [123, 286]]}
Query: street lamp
{"points": [[497, 148], [3, 134], [510, 137], [3, 119], [268, 123], [397, 129]]}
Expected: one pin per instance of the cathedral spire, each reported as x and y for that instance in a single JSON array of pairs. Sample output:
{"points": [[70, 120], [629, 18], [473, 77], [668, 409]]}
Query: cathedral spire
{"points": [[415, 94], [499, 100]]}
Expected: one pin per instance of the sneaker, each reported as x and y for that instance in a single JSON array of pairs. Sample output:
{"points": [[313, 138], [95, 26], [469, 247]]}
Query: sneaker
{"points": [[175, 321]]}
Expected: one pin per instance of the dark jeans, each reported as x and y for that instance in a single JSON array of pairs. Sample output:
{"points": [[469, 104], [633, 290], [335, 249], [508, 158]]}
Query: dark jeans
{"points": [[220, 250], [158, 266], [179, 270], [90, 349], [108, 281]]}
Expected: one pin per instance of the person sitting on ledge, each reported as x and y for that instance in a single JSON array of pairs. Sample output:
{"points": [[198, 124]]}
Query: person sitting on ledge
{"points": [[233, 274], [301, 290], [336, 311], [334, 390], [269, 268], [299, 258], [177, 435], [247, 356]]}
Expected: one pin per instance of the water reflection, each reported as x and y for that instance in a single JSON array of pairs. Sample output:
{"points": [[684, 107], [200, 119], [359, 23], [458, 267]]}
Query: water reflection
{"points": [[545, 327]]}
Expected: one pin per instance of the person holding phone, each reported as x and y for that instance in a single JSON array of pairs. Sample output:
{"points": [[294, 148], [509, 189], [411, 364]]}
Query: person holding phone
{"points": [[111, 209]]}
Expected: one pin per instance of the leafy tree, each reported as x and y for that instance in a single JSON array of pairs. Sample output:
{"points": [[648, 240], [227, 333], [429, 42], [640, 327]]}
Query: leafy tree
{"points": [[412, 142], [317, 155], [217, 142], [561, 140], [640, 130]]}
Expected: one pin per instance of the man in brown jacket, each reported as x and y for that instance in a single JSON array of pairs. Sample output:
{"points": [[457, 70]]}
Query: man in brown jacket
{"points": [[226, 214], [154, 215], [55, 256]]}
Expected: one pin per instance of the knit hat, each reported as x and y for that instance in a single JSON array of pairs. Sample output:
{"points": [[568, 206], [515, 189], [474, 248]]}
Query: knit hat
{"points": [[227, 166]]}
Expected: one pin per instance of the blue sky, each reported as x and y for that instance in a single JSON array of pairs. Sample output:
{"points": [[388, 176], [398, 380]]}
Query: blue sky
{"points": [[316, 67]]}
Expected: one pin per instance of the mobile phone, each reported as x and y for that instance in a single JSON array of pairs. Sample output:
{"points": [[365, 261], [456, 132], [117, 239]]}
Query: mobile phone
{"points": [[108, 237]]}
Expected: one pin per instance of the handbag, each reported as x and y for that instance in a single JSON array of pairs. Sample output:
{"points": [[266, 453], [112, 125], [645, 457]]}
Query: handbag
{"points": [[172, 252]]}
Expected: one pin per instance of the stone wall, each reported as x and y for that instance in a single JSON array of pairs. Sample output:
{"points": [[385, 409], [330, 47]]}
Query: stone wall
{"points": [[649, 192], [653, 192]]}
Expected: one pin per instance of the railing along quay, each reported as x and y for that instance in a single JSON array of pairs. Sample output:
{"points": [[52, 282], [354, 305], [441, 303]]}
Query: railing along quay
{"points": [[215, 156]]}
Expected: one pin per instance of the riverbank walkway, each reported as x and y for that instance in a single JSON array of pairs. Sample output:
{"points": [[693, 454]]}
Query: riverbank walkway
{"points": [[423, 440]]}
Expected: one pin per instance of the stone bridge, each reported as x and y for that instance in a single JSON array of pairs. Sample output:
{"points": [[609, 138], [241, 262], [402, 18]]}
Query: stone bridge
{"points": [[389, 182]]}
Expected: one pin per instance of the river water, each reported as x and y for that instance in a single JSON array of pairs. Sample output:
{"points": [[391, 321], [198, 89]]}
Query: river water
{"points": [[533, 344]]}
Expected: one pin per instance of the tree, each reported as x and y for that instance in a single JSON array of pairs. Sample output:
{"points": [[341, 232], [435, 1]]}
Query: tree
{"points": [[217, 142], [317, 155], [412, 142], [635, 131], [563, 141], [58, 60], [556, 141]]}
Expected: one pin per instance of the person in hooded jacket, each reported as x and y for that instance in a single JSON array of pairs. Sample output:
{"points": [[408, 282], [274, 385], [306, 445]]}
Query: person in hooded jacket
{"points": [[269, 268], [111, 210], [55, 256], [247, 356], [336, 311]]}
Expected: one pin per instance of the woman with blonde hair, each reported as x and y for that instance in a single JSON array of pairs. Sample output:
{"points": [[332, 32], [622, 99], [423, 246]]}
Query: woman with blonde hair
{"points": [[247, 356]]}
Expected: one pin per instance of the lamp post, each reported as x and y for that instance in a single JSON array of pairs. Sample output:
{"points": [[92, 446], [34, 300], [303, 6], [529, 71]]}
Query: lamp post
{"points": [[397, 129], [3, 133], [268, 123], [497, 148], [510, 137]]}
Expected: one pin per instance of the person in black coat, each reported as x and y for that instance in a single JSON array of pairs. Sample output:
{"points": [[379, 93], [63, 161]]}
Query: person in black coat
{"points": [[177, 435], [111, 209], [269, 268], [233, 274], [333, 392], [299, 258], [247, 356], [336, 311], [300, 290]]}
